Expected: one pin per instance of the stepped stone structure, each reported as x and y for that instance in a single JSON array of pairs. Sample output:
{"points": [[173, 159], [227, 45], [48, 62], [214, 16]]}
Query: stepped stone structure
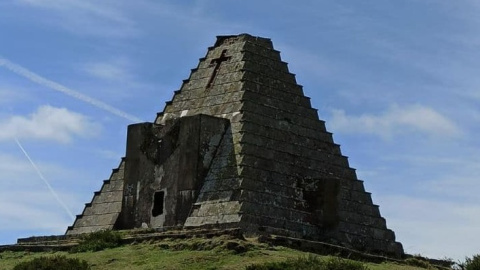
{"points": [[239, 146]]}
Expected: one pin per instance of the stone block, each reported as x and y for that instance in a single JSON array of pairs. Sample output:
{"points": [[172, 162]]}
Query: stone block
{"points": [[273, 130], [211, 220], [275, 102], [267, 52], [103, 208], [274, 186], [215, 196], [294, 97], [218, 209], [96, 220], [265, 66], [361, 197]]}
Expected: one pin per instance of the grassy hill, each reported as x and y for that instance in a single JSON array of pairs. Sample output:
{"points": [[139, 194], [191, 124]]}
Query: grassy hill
{"points": [[221, 252]]}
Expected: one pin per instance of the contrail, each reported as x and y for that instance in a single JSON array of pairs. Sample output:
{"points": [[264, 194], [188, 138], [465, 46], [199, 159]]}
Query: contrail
{"points": [[45, 180], [19, 70], [60, 88]]}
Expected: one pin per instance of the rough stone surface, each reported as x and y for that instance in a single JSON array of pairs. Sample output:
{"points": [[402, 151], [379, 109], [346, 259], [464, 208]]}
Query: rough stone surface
{"points": [[239, 145], [103, 211]]}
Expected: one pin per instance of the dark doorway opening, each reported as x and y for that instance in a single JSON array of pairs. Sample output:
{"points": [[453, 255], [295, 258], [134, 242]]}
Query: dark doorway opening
{"points": [[158, 199]]}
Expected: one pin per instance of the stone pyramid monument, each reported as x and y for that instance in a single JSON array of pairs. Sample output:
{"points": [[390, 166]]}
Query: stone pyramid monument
{"points": [[239, 146]]}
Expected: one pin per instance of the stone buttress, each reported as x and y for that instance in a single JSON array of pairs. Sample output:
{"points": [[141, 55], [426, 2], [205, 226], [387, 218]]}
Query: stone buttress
{"points": [[239, 145]]}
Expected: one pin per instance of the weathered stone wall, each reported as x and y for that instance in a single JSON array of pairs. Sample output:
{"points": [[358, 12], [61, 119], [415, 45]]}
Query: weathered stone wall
{"points": [[218, 201], [184, 174], [166, 168], [139, 171]]}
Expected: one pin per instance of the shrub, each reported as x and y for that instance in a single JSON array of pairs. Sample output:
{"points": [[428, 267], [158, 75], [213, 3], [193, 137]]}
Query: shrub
{"points": [[310, 263], [419, 263], [97, 241], [472, 263], [53, 263]]}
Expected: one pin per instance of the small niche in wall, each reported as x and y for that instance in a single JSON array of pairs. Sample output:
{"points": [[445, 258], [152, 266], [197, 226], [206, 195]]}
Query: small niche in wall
{"points": [[158, 199]]}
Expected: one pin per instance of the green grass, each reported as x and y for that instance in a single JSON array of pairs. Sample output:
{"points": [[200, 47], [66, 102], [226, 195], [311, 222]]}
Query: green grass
{"points": [[311, 263], [223, 252]]}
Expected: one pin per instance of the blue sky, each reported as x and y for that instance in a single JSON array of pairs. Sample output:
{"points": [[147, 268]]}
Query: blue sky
{"points": [[397, 82]]}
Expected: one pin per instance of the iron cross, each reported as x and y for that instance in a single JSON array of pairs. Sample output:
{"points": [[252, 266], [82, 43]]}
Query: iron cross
{"points": [[217, 62]]}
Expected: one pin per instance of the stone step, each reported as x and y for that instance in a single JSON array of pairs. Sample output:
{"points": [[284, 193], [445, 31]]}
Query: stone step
{"points": [[103, 210]]}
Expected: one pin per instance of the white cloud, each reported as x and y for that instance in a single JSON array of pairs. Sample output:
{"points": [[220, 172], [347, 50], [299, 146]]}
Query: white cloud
{"points": [[48, 123], [12, 168], [396, 120], [119, 70], [433, 227], [461, 185], [108, 70], [116, 78], [21, 209], [16, 172], [28, 214], [26, 203], [32, 210]]}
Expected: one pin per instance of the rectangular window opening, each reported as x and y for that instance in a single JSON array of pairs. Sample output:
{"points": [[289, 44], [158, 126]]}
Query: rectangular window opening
{"points": [[158, 200]]}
